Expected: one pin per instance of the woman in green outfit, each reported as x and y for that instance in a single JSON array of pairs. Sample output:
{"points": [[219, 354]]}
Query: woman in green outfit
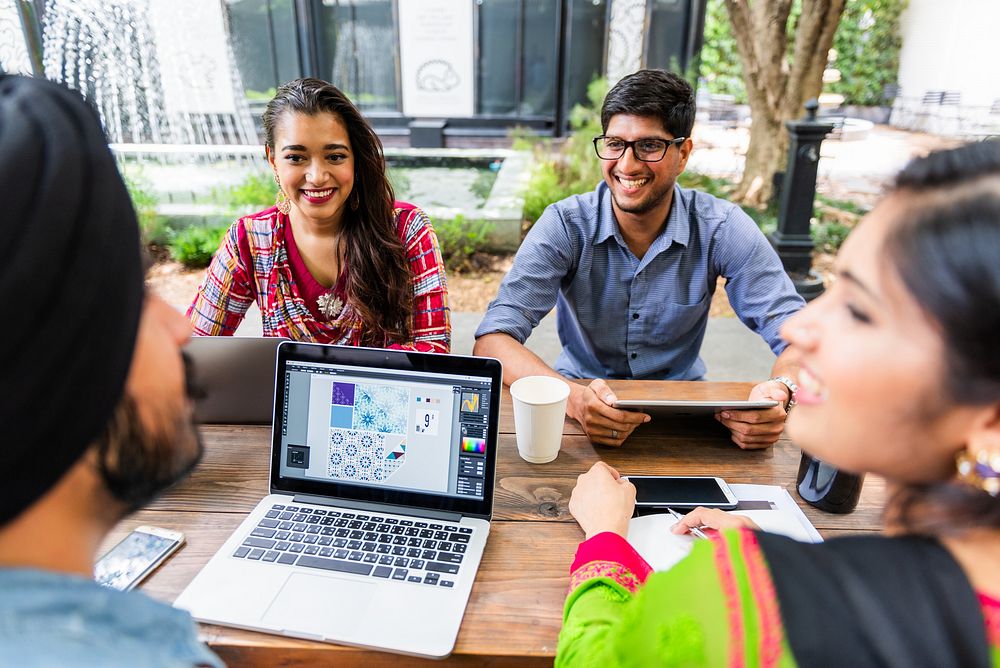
{"points": [[900, 376]]}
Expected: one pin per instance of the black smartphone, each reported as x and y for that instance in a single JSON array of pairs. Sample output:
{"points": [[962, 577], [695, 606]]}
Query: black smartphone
{"points": [[136, 556], [683, 491]]}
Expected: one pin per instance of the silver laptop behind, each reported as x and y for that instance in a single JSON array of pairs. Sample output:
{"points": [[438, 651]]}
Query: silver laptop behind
{"points": [[237, 376], [382, 476]]}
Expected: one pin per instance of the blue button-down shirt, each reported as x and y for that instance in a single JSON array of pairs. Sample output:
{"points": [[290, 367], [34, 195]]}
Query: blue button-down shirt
{"points": [[619, 316], [54, 619]]}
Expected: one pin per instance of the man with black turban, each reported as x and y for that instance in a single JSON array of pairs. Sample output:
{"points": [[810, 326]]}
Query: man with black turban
{"points": [[95, 419]]}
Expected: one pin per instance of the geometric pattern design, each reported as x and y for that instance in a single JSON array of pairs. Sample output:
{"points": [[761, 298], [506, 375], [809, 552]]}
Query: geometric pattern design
{"points": [[343, 394], [363, 456], [380, 408]]}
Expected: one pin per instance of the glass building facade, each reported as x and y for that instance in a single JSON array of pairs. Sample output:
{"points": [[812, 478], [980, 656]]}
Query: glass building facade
{"points": [[533, 58]]}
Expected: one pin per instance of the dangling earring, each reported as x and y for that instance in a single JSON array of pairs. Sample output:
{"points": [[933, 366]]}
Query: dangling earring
{"points": [[354, 200], [283, 204], [981, 470]]}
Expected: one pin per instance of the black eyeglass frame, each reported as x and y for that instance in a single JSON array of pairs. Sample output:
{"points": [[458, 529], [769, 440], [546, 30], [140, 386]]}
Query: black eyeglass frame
{"points": [[631, 145]]}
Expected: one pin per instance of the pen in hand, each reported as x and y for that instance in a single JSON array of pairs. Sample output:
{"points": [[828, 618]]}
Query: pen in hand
{"points": [[694, 530]]}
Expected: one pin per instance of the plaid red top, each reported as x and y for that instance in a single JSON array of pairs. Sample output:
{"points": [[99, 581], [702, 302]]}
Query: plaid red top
{"points": [[259, 261]]}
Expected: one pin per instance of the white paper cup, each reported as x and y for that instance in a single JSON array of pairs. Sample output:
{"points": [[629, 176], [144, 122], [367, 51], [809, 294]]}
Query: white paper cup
{"points": [[539, 412]]}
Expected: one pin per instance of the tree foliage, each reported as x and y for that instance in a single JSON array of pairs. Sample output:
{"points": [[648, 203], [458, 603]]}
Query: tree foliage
{"points": [[719, 64], [867, 43]]}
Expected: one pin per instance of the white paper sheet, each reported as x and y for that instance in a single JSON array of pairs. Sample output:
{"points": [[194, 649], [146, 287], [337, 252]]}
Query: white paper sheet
{"points": [[651, 536]]}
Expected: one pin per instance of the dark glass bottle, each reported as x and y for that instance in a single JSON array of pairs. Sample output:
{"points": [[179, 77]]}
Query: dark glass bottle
{"points": [[828, 488]]}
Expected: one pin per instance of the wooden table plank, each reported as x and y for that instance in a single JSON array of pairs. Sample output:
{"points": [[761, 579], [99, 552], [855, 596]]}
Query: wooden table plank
{"points": [[520, 588], [523, 578], [233, 474]]}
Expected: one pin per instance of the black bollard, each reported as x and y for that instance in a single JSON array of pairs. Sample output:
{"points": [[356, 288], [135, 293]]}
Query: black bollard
{"points": [[792, 239]]}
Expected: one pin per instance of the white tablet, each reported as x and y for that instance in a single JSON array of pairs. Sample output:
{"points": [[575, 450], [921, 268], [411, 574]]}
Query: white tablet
{"points": [[680, 407]]}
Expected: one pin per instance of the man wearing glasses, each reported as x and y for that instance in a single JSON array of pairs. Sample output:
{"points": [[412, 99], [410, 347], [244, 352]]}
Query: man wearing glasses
{"points": [[633, 266]]}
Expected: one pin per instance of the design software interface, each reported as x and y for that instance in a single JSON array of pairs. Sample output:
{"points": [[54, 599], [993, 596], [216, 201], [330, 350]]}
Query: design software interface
{"points": [[406, 430]]}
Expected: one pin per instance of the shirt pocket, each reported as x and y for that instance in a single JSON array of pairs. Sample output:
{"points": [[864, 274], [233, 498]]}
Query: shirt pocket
{"points": [[677, 325]]}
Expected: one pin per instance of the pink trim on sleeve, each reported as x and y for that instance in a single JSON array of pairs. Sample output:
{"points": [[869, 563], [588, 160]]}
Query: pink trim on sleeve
{"points": [[610, 547], [991, 613]]}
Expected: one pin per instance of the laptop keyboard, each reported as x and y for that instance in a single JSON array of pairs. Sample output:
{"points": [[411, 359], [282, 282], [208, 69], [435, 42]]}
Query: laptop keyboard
{"points": [[429, 553]]}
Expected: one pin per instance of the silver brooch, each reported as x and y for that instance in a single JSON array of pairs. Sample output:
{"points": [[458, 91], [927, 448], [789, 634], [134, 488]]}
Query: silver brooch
{"points": [[330, 305]]}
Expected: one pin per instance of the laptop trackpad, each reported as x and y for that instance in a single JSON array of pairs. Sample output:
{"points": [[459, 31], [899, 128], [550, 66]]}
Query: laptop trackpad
{"points": [[319, 605]]}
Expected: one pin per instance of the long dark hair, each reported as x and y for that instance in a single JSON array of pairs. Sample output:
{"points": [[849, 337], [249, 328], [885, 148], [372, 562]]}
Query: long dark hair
{"points": [[946, 250], [379, 284]]}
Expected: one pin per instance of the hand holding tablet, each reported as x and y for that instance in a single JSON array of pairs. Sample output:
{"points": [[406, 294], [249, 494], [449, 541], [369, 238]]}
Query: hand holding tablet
{"points": [[683, 407]]}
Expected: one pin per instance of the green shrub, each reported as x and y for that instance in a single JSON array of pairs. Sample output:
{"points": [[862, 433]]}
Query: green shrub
{"points": [[260, 95], [828, 235], [151, 226], [523, 139], [719, 61], [867, 42], [574, 168], [194, 246], [460, 240], [255, 192], [545, 188]]}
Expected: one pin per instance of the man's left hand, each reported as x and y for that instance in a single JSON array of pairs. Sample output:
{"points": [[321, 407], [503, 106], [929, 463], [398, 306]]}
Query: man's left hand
{"points": [[753, 430]]}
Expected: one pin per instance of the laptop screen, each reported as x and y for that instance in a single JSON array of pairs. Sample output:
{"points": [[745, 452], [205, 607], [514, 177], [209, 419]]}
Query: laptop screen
{"points": [[386, 426]]}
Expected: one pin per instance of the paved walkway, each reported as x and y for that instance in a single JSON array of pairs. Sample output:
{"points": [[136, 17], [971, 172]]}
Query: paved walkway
{"points": [[731, 351]]}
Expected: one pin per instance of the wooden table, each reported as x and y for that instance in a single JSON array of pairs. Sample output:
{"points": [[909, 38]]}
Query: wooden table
{"points": [[515, 611]]}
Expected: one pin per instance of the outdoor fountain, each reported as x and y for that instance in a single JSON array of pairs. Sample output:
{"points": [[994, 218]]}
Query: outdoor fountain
{"points": [[113, 52], [163, 76]]}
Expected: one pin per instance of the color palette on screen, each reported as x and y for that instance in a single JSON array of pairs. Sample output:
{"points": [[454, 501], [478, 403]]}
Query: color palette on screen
{"points": [[473, 445]]}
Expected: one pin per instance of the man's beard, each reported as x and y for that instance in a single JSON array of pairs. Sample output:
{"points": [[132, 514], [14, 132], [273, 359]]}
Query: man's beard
{"points": [[646, 204], [138, 464]]}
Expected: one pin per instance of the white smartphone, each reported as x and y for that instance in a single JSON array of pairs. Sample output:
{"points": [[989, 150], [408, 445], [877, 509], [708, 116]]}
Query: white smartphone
{"points": [[683, 492], [136, 556]]}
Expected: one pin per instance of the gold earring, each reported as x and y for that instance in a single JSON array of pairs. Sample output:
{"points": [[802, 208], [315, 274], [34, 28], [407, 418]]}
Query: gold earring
{"points": [[281, 202], [981, 470]]}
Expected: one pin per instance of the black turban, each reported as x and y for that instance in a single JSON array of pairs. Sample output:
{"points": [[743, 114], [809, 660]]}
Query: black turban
{"points": [[71, 281]]}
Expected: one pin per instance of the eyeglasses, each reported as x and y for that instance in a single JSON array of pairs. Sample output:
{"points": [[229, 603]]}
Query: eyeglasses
{"points": [[650, 149]]}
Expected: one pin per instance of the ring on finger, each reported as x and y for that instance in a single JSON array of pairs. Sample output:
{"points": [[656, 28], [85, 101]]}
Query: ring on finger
{"points": [[614, 433]]}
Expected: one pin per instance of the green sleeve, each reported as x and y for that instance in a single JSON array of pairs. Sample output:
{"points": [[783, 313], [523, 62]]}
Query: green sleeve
{"points": [[682, 617]]}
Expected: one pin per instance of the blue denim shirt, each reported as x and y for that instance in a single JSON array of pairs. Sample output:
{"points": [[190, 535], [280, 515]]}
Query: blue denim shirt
{"points": [[622, 317], [54, 619]]}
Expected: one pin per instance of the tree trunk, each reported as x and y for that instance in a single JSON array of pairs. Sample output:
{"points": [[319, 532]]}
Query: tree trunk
{"points": [[778, 86], [765, 155]]}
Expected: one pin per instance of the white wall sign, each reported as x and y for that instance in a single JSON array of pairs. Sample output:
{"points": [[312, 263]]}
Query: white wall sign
{"points": [[436, 57]]}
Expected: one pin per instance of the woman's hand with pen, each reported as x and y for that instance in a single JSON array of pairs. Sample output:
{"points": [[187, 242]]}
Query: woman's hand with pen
{"points": [[712, 518]]}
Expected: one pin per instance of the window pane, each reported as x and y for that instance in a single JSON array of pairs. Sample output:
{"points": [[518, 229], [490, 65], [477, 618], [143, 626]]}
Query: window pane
{"points": [[263, 39], [586, 48], [360, 48], [667, 38], [541, 44], [497, 56]]}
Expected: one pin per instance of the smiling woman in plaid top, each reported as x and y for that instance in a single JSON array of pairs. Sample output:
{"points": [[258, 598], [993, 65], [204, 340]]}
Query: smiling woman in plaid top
{"points": [[337, 259]]}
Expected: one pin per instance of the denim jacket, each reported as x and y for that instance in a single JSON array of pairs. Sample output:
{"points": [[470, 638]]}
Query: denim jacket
{"points": [[55, 619]]}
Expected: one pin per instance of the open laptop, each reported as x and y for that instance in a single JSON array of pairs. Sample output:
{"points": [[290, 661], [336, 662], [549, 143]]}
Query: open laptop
{"points": [[381, 481], [237, 376]]}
